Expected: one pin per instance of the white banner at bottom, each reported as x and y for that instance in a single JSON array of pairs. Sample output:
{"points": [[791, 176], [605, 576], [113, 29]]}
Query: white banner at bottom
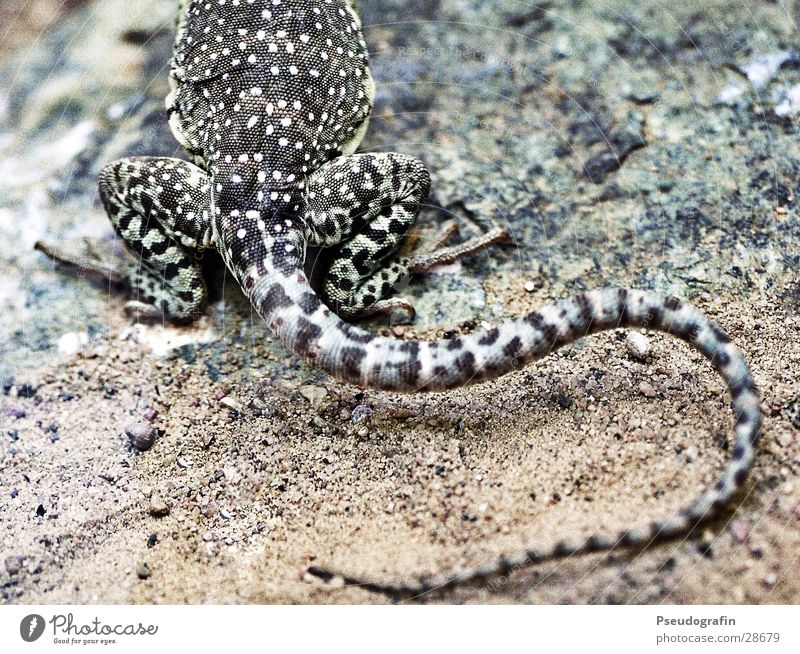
{"points": [[389, 629]]}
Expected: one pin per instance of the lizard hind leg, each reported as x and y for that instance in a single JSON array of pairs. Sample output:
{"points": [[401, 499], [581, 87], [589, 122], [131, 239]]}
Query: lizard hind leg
{"points": [[367, 204], [158, 207]]}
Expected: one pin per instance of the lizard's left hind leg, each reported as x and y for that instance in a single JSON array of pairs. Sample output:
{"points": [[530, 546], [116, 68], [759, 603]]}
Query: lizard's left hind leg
{"points": [[159, 208]]}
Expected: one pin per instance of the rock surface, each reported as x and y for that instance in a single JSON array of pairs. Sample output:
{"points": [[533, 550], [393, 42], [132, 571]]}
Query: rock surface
{"points": [[638, 143]]}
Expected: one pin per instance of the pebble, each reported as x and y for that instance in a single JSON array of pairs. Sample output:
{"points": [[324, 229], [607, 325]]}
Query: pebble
{"points": [[229, 402], [140, 434], [314, 394], [361, 413], [638, 345], [530, 287], [158, 507], [785, 438], [770, 579], [740, 531], [647, 389], [71, 342], [13, 564], [143, 572], [210, 509]]}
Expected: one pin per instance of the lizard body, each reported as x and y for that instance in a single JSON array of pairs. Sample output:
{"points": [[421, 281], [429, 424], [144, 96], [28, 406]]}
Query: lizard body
{"points": [[272, 98]]}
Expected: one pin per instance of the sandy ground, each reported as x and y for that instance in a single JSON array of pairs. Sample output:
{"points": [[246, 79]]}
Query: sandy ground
{"points": [[262, 465], [259, 481]]}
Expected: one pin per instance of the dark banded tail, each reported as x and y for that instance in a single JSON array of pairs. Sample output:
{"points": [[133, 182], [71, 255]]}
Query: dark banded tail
{"points": [[366, 359]]}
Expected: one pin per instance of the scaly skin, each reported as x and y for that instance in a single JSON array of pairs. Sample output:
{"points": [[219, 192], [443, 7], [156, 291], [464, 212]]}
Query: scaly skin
{"points": [[271, 98]]}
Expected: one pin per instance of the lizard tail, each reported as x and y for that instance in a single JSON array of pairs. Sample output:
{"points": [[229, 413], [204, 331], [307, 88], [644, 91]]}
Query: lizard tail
{"points": [[306, 326]]}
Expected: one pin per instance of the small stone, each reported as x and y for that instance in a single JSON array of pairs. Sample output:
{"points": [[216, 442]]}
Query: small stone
{"points": [[785, 438], [14, 564], [150, 414], [140, 434], [638, 345], [27, 391], [314, 394], [184, 462], [158, 507], [529, 287], [770, 579], [210, 509], [143, 571], [361, 413], [229, 402], [71, 342], [564, 401], [208, 439], [647, 389], [256, 403], [740, 531]]}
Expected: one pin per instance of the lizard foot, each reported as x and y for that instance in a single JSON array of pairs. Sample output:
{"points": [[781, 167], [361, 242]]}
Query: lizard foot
{"points": [[141, 311], [405, 310], [90, 261], [440, 255]]}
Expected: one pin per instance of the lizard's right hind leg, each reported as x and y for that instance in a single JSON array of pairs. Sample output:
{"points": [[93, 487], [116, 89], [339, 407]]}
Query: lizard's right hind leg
{"points": [[159, 208]]}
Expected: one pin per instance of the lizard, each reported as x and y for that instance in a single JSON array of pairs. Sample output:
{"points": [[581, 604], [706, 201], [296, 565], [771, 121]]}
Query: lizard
{"points": [[271, 99]]}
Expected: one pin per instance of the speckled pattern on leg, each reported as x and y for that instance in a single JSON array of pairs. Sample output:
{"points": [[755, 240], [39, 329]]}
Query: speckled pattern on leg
{"points": [[356, 200], [272, 98], [158, 208]]}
